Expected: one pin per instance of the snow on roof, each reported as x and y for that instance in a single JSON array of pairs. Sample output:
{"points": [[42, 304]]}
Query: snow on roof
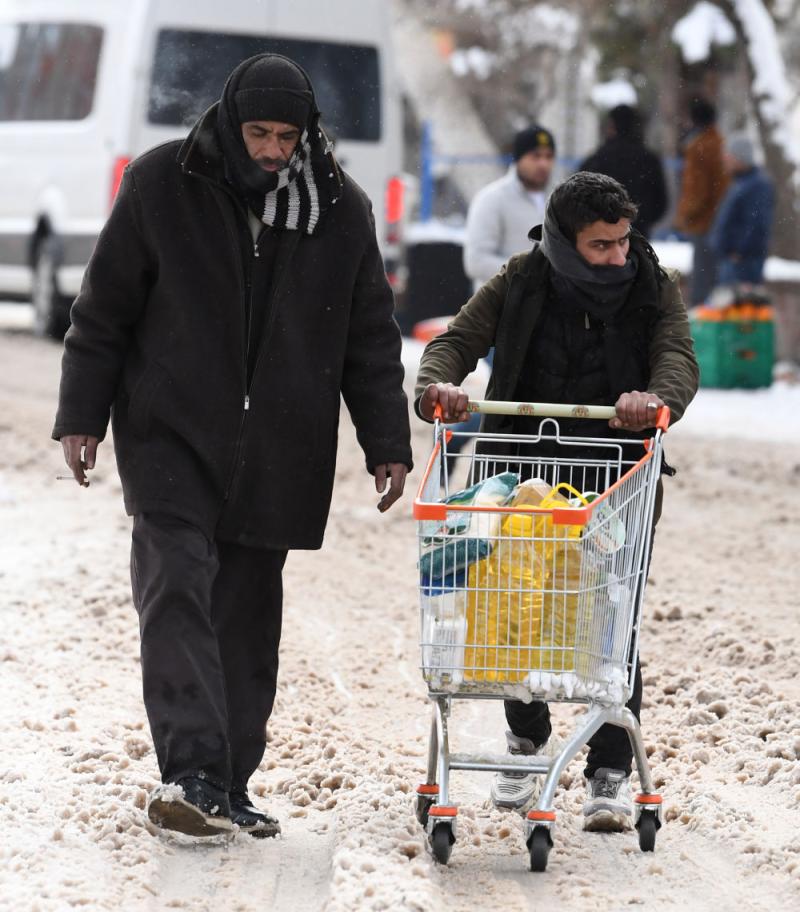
{"points": [[704, 26]]}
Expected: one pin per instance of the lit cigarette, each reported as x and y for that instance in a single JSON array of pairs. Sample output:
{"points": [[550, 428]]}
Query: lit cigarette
{"points": [[85, 484]]}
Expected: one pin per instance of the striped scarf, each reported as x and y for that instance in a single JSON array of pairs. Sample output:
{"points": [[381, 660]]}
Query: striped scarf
{"points": [[294, 202]]}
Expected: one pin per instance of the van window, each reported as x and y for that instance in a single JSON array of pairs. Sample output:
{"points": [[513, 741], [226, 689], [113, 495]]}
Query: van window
{"points": [[190, 69], [48, 70]]}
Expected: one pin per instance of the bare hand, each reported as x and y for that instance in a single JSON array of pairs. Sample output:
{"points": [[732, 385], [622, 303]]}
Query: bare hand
{"points": [[72, 445], [636, 411], [396, 472], [452, 399]]}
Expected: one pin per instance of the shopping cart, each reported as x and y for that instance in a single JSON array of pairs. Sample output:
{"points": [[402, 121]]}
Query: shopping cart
{"points": [[534, 601]]}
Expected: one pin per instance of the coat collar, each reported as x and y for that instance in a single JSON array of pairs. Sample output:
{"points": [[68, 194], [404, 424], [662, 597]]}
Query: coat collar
{"points": [[201, 151]]}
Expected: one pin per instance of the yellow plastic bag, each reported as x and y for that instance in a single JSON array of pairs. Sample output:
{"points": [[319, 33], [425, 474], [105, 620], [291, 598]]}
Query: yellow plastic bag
{"points": [[563, 562], [522, 599], [504, 605]]}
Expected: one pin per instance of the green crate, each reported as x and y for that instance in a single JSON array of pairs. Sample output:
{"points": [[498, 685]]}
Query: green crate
{"points": [[734, 353]]}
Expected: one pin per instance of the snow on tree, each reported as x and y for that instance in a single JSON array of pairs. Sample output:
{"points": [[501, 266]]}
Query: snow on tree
{"points": [[772, 96], [702, 28]]}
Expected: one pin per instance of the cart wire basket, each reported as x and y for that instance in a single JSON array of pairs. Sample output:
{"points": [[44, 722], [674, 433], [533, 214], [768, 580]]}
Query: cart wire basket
{"points": [[533, 556]]}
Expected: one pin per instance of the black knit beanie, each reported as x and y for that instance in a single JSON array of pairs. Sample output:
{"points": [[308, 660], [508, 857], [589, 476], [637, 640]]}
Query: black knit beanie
{"points": [[274, 88], [533, 138], [260, 88]]}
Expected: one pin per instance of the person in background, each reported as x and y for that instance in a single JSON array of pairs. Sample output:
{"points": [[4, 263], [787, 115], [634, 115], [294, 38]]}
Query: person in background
{"points": [[235, 295], [588, 316], [500, 217], [703, 185], [626, 158], [502, 213], [741, 232]]}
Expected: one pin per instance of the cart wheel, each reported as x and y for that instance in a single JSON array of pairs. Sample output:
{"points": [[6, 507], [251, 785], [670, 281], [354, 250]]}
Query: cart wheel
{"points": [[647, 827], [424, 804], [442, 840], [539, 845]]}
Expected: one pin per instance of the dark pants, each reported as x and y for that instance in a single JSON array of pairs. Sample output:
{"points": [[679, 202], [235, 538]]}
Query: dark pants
{"points": [[609, 747], [210, 623], [704, 270]]}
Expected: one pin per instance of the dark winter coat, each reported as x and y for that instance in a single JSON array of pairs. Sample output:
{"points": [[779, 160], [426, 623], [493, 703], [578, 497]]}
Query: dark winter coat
{"points": [[639, 171], [741, 232], [506, 312], [158, 336]]}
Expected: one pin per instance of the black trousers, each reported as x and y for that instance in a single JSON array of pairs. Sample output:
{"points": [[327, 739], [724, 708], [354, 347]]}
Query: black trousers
{"points": [[210, 622], [610, 746]]}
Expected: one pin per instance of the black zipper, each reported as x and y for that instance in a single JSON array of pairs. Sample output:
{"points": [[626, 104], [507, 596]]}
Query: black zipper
{"points": [[248, 314], [274, 294]]}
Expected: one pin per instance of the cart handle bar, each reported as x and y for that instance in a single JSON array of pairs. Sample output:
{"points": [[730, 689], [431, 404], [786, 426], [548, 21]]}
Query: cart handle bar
{"points": [[550, 410]]}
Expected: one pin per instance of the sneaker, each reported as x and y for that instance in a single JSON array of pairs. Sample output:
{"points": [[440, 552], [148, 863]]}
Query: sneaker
{"points": [[608, 806], [192, 806], [516, 790], [250, 820]]}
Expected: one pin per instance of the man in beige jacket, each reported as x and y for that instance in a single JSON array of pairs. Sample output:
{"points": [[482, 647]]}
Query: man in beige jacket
{"points": [[590, 317], [502, 213]]}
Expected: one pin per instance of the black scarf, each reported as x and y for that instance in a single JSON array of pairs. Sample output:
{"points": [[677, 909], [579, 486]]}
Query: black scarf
{"points": [[602, 292], [598, 290], [296, 197]]}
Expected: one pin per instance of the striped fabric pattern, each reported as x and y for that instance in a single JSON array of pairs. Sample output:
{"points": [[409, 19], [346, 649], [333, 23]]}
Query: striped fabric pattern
{"points": [[294, 203]]}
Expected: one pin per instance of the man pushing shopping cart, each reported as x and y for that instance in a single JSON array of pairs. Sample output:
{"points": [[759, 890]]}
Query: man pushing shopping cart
{"points": [[589, 317]]}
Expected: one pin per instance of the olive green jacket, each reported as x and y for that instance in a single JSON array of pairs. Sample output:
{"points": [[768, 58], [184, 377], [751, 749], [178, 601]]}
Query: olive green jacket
{"points": [[503, 313]]}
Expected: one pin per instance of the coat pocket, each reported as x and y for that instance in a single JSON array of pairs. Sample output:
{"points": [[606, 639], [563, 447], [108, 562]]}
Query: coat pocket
{"points": [[140, 407]]}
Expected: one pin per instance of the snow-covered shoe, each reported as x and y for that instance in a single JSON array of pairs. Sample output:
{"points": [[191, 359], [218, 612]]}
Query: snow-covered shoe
{"points": [[250, 820], [191, 806], [516, 790], [608, 803]]}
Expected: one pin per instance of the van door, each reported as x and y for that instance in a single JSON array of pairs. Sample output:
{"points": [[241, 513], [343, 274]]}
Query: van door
{"points": [[48, 75]]}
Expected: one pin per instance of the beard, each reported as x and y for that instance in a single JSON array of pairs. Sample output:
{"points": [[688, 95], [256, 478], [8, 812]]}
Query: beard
{"points": [[272, 164]]}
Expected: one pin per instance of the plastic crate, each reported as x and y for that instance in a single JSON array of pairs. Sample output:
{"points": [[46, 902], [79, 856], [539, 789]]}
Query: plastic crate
{"points": [[734, 347]]}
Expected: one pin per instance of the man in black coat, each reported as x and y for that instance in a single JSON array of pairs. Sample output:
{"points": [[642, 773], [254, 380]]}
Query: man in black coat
{"points": [[235, 294], [625, 157]]}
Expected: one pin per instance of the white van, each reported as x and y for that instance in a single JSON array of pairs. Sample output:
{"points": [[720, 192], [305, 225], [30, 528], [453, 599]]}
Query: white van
{"points": [[86, 85]]}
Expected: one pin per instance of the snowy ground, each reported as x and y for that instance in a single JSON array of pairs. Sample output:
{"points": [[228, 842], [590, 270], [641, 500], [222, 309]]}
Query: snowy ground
{"points": [[720, 646]]}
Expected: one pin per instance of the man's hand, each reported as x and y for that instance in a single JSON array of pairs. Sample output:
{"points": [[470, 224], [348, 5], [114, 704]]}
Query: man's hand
{"points": [[396, 472], [72, 445], [636, 411], [452, 399]]}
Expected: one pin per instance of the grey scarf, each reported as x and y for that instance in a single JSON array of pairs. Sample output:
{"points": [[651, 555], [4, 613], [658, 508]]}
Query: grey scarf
{"points": [[599, 290]]}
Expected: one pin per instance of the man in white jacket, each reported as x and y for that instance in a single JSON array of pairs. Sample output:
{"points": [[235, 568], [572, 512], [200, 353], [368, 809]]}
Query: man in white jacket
{"points": [[502, 213]]}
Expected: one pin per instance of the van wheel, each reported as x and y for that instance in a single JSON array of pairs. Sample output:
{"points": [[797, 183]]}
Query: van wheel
{"points": [[50, 307]]}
